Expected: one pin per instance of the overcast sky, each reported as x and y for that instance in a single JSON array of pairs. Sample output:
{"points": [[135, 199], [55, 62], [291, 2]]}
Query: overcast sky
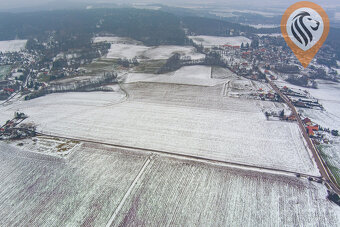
{"points": [[10, 4]]}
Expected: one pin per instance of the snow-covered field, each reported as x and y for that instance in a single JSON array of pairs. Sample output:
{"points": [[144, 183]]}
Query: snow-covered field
{"points": [[126, 51], [128, 48], [263, 13], [182, 193], [328, 94], [209, 41], [115, 40], [154, 53], [189, 120], [270, 35], [191, 75], [96, 184], [164, 52], [82, 190], [12, 45], [263, 25]]}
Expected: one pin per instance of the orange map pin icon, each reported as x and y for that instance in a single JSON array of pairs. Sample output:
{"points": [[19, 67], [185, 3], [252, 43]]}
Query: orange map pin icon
{"points": [[305, 27]]}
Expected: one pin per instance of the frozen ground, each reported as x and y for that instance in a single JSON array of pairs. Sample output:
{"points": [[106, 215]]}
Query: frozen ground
{"points": [[96, 184], [191, 75], [190, 120], [209, 41], [12, 45]]}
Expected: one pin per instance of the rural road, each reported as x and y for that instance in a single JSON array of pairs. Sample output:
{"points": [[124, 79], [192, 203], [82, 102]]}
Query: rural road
{"points": [[324, 171]]}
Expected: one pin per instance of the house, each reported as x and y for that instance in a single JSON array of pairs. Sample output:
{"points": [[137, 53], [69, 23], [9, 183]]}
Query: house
{"points": [[10, 90], [311, 129], [272, 77], [292, 118], [307, 121], [270, 96]]}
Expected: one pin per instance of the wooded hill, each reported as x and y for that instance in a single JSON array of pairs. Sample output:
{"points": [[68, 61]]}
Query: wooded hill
{"points": [[150, 27]]}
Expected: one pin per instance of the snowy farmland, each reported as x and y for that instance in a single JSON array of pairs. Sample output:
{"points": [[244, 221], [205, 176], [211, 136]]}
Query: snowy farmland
{"points": [[209, 41], [183, 193], [12, 46], [153, 53], [100, 186], [127, 48], [83, 190], [190, 120], [191, 75]]}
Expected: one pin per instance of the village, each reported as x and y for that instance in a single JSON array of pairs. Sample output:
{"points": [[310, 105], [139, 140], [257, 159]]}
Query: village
{"points": [[259, 59]]}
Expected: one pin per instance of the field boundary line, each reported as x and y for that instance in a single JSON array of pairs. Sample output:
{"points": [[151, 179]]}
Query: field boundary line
{"points": [[128, 192]]}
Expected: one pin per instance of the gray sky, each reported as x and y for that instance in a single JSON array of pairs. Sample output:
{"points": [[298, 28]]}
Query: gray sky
{"points": [[9, 4]]}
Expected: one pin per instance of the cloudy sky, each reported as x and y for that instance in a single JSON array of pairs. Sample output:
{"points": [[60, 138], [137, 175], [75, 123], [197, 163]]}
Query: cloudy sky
{"points": [[10, 4]]}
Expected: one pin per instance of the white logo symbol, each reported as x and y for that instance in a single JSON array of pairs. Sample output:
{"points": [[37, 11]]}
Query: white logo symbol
{"points": [[305, 28]]}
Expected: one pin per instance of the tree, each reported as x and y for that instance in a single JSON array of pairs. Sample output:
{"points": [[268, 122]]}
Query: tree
{"points": [[255, 43], [282, 114]]}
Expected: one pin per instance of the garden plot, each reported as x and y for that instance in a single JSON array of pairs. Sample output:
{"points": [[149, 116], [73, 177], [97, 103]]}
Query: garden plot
{"points": [[178, 119], [47, 145], [191, 75], [209, 41], [241, 87], [183, 193], [83, 190], [274, 108], [12, 46]]}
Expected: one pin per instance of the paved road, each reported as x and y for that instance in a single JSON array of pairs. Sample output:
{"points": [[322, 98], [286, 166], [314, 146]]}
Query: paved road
{"points": [[324, 171]]}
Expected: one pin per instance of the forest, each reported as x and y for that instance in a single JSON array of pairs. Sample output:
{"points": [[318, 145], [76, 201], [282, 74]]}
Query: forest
{"points": [[75, 28], [78, 26]]}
